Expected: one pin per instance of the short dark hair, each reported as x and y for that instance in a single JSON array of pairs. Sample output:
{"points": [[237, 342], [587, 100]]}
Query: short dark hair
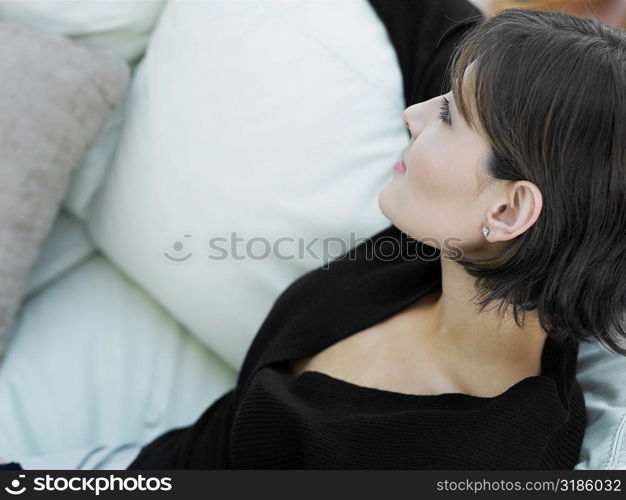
{"points": [[550, 93]]}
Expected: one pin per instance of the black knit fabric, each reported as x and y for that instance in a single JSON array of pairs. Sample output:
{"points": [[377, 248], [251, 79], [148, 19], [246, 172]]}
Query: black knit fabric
{"points": [[273, 419]]}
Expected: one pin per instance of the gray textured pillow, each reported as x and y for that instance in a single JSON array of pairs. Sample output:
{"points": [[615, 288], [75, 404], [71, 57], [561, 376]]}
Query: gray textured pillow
{"points": [[54, 97]]}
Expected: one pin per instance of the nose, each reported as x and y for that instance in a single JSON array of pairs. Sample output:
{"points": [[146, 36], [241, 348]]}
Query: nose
{"points": [[405, 118], [406, 121], [417, 116], [412, 117]]}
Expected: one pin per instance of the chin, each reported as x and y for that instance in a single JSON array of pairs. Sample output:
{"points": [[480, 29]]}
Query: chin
{"points": [[385, 202], [392, 210]]}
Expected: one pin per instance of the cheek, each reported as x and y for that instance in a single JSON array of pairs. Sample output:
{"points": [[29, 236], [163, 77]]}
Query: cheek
{"points": [[441, 176], [437, 197]]}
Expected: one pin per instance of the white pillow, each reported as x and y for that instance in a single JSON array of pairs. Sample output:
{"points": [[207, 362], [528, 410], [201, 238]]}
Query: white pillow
{"points": [[267, 119], [94, 361]]}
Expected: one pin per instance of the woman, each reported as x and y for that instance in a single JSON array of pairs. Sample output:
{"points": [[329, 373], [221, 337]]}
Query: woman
{"points": [[449, 340], [457, 350]]}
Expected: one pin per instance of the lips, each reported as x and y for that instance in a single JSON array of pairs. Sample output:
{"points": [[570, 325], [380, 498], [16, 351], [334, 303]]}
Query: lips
{"points": [[399, 167]]}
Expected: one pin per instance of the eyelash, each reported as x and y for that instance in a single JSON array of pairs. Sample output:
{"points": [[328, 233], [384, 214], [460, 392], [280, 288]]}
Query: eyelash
{"points": [[444, 111]]}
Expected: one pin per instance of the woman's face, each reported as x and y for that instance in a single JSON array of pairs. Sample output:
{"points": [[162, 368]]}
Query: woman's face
{"points": [[440, 188]]}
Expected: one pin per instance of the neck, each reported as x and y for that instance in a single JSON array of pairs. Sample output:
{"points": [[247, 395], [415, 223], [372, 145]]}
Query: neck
{"points": [[486, 338]]}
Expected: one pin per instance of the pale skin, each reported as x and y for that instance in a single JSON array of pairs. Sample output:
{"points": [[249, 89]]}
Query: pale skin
{"points": [[442, 344]]}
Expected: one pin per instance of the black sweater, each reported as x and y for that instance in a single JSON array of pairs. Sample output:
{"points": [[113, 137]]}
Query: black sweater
{"points": [[273, 419]]}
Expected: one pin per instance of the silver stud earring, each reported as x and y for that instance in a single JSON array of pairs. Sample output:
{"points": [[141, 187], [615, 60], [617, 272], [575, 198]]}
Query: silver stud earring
{"points": [[486, 231]]}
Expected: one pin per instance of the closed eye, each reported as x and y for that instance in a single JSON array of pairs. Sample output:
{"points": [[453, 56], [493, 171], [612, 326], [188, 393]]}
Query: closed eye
{"points": [[444, 111]]}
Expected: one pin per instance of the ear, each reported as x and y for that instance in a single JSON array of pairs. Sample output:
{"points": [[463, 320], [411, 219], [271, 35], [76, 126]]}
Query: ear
{"points": [[515, 212]]}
